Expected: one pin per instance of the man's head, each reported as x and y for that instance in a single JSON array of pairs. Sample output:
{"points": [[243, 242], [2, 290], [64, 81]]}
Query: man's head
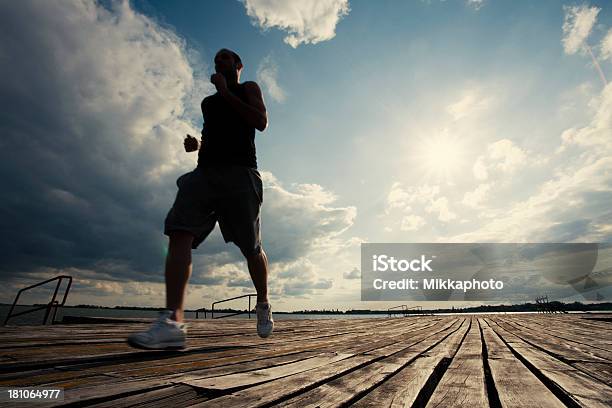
{"points": [[228, 63]]}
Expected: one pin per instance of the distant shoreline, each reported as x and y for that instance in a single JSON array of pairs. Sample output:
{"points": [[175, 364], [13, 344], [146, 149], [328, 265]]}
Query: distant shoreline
{"points": [[526, 307]]}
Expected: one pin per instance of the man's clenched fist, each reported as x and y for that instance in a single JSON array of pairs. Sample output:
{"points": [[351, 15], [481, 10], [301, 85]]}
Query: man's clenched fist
{"points": [[191, 144], [219, 82]]}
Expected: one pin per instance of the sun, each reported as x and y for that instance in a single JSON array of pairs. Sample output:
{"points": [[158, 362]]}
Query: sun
{"points": [[441, 157]]}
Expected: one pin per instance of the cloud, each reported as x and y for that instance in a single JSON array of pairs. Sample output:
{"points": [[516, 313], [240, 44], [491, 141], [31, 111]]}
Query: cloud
{"points": [[440, 206], [473, 101], [606, 46], [574, 100], [398, 198], [267, 74], [88, 287], [507, 156], [480, 169], [101, 113], [475, 4], [541, 217], [306, 21], [412, 223], [426, 196], [477, 197], [597, 132], [571, 206], [111, 287], [355, 273], [502, 156], [302, 219], [298, 278], [220, 271], [579, 21]]}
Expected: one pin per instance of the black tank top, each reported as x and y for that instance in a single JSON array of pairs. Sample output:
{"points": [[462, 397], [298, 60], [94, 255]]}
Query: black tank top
{"points": [[226, 137]]}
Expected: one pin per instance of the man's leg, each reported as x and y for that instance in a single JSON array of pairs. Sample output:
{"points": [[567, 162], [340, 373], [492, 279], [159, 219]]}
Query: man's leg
{"points": [[178, 270], [258, 268], [163, 333]]}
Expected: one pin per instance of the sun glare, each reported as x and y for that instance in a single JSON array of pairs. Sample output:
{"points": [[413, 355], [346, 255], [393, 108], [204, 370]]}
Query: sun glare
{"points": [[441, 157]]}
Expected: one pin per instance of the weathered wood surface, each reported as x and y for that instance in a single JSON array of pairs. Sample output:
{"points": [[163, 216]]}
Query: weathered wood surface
{"points": [[521, 360]]}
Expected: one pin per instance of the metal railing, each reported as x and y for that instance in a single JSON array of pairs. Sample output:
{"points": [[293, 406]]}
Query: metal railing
{"points": [[419, 309], [53, 304], [545, 306], [404, 309], [212, 312], [198, 311]]}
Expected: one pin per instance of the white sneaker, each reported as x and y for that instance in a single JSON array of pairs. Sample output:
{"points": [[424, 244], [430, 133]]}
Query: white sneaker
{"points": [[265, 323], [165, 333]]}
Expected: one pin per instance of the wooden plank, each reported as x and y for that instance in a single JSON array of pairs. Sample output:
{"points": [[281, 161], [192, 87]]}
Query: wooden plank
{"points": [[599, 322], [175, 395], [463, 383], [566, 327], [402, 389], [343, 389], [578, 354], [367, 344], [81, 380], [512, 378], [565, 346], [110, 389], [586, 320], [268, 393], [29, 359], [100, 391], [560, 376], [52, 377], [238, 380], [601, 371], [381, 377], [112, 386], [107, 358], [70, 335], [287, 387], [391, 362], [216, 366]]}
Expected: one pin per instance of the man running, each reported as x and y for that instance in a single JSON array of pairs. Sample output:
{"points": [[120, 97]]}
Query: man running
{"points": [[225, 187]]}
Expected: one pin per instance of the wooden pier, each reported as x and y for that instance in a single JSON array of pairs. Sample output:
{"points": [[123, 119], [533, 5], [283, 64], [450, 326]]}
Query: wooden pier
{"points": [[523, 360]]}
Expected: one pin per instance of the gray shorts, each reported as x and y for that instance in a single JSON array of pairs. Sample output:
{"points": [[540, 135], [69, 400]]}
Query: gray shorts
{"points": [[229, 194]]}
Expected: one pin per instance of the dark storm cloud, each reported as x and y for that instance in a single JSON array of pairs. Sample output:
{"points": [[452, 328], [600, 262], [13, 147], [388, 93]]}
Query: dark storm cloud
{"points": [[89, 137]]}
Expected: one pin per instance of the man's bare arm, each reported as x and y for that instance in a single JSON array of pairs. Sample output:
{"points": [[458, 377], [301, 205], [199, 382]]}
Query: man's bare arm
{"points": [[253, 112]]}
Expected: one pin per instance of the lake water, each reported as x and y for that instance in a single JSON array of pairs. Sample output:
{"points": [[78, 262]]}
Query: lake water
{"points": [[37, 317]]}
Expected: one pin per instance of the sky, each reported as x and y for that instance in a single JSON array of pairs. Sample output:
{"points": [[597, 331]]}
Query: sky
{"points": [[389, 121]]}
